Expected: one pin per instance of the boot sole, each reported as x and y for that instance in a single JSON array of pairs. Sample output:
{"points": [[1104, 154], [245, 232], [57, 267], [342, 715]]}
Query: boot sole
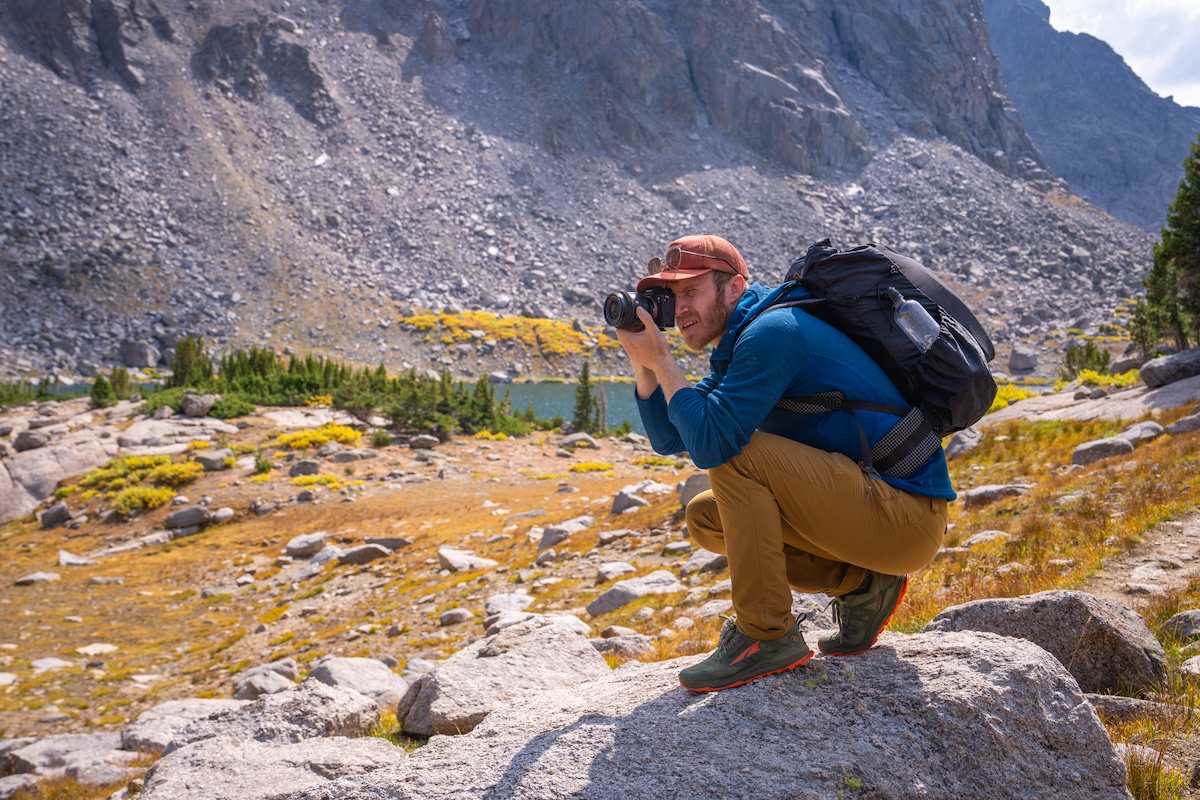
{"points": [[895, 608], [791, 666]]}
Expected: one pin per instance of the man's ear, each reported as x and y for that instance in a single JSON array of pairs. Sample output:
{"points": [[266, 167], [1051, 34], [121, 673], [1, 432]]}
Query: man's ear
{"points": [[735, 289]]}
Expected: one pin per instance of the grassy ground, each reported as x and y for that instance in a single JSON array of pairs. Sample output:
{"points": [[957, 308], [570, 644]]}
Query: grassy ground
{"points": [[184, 626]]}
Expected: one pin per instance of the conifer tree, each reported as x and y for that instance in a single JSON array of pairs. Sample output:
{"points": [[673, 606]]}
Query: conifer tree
{"points": [[585, 403], [1172, 306]]}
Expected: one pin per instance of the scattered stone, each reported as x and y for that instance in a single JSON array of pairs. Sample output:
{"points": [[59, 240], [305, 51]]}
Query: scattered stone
{"points": [[680, 548], [694, 485], [37, 577], [577, 440], [192, 516], [392, 543], [304, 467], [963, 442], [455, 616], [608, 537], [704, 561], [501, 603], [624, 501], [213, 460], [364, 554], [553, 534], [462, 560], [55, 515], [424, 442], [983, 537], [1091, 452], [66, 559], [31, 440], [986, 495], [1141, 433], [625, 592], [306, 544], [1184, 625], [611, 570], [367, 676]]}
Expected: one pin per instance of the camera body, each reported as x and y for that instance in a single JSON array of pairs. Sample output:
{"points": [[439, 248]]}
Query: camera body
{"points": [[620, 308]]}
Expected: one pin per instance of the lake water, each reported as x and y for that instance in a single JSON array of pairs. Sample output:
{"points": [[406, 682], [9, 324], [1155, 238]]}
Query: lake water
{"points": [[558, 399]]}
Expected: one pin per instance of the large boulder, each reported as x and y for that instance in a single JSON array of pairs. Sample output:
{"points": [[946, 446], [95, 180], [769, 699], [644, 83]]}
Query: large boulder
{"points": [[1168, 369], [306, 711], [28, 478], [518, 663], [962, 716], [1106, 646], [223, 768], [366, 676], [155, 727], [198, 405]]}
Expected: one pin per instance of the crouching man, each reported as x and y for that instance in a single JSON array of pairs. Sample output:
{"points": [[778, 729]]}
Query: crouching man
{"points": [[790, 504]]}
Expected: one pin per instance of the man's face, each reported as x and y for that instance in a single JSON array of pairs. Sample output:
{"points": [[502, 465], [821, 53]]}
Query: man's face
{"points": [[702, 310]]}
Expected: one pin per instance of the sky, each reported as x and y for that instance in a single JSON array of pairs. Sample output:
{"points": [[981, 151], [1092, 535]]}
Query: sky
{"points": [[1159, 39]]}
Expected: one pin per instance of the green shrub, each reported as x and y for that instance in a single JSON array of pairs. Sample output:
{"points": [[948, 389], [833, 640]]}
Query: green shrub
{"points": [[232, 406], [167, 397], [102, 393], [122, 384], [380, 437]]}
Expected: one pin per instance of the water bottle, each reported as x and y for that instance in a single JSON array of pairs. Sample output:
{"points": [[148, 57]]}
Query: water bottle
{"points": [[914, 320]]}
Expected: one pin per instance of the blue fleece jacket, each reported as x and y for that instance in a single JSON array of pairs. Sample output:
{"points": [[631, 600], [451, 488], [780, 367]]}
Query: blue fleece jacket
{"points": [[785, 352]]}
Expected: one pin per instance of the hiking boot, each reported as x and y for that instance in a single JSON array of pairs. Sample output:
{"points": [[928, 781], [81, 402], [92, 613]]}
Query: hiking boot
{"points": [[861, 616], [740, 659]]}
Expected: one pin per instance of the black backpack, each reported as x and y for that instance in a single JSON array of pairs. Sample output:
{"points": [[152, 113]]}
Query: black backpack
{"points": [[949, 386]]}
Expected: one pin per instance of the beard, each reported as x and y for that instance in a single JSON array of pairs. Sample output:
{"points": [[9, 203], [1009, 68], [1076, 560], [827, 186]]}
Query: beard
{"points": [[709, 327]]}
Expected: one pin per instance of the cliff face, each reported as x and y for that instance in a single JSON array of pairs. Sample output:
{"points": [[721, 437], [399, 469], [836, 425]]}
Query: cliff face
{"points": [[1098, 125], [302, 175], [769, 73]]}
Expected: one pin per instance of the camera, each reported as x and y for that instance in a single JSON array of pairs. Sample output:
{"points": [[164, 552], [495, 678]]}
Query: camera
{"points": [[620, 308]]}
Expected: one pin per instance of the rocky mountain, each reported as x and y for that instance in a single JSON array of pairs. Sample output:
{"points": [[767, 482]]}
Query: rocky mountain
{"points": [[306, 175], [1097, 124]]}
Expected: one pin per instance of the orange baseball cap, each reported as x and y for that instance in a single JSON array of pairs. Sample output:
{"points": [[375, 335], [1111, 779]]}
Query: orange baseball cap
{"points": [[693, 255]]}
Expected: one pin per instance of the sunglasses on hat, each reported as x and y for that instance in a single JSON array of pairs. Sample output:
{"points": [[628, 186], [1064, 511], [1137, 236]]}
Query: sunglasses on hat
{"points": [[675, 255]]}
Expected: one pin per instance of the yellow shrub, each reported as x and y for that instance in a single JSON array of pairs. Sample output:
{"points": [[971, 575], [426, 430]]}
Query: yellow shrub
{"points": [[315, 480], [122, 472], [175, 475], [197, 444], [319, 400], [315, 438], [492, 437], [141, 498], [260, 478], [590, 466], [1007, 394]]}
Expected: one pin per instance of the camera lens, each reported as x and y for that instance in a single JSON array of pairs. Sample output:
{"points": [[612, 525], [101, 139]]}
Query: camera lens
{"points": [[620, 310]]}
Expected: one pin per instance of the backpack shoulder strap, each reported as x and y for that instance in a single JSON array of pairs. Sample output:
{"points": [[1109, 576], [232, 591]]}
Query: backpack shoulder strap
{"points": [[905, 446]]}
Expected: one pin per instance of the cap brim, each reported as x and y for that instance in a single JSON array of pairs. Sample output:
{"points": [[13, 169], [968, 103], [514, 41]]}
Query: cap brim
{"points": [[670, 275]]}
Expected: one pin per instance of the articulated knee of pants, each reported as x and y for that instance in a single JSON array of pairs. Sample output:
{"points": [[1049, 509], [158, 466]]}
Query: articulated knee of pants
{"points": [[704, 522]]}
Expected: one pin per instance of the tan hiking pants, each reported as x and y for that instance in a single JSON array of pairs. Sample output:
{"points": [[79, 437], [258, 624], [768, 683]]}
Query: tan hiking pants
{"points": [[789, 514]]}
